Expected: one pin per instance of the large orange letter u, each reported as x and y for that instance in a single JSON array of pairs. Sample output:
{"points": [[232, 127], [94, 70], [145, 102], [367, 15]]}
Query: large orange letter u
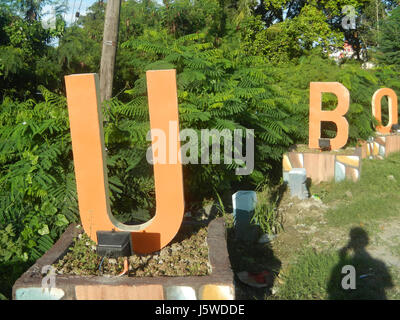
{"points": [[88, 148]]}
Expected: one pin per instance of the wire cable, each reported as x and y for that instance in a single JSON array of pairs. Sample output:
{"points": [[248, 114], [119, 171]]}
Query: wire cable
{"points": [[73, 9], [78, 12]]}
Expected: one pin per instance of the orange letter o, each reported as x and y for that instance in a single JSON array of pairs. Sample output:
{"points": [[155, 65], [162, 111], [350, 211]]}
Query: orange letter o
{"points": [[377, 109]]}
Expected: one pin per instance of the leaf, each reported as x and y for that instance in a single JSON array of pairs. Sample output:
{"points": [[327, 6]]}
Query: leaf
{"points": [[44, 230], [61, 220]]}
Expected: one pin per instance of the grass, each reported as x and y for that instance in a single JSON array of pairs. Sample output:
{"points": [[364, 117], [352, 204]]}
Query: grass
{"points": [[318, 276], [308, 277], [375, 196], [265, 215], [360, 211]]}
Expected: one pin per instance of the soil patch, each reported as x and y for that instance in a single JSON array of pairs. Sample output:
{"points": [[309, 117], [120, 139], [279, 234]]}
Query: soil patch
{"points": [[186, 255], [304, 148]]}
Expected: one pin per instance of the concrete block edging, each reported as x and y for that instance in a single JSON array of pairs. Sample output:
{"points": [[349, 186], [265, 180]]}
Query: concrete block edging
{"points": [[216, 286]]}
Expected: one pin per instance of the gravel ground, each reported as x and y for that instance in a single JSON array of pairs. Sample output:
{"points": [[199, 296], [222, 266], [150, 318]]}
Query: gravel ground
{"points": [[186, 255]]}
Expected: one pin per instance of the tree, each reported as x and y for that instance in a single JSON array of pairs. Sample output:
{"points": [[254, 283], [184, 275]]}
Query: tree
{"points": [[388, 52], [220, 88], [26, 57], [292, 38]]}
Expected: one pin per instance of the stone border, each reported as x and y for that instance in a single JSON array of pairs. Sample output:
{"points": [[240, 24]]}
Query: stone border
{"points": [[323, 166], [218, 285], [380, 147]]}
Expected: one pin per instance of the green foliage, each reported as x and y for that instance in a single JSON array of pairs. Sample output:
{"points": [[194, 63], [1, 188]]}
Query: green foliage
{"points": [[369, 22], [266, 215], [130, 176], [296, 78], [37, 181], [388, 52], [293, 38], [37, 187], [219, 88], [26, 57]]}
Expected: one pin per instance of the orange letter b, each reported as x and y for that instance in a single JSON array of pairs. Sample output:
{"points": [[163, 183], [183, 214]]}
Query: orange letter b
{"points": [[336, 116]]}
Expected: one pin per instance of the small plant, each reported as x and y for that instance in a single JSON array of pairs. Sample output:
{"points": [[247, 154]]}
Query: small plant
{"points": [[266, 214], [220, 206]]}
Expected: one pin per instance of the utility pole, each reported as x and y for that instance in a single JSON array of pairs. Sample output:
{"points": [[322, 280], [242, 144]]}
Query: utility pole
{"points": [[110, 43]]}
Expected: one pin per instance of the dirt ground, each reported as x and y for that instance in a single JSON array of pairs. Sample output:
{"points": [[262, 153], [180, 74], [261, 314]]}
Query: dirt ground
{"points": [[305, 225]]}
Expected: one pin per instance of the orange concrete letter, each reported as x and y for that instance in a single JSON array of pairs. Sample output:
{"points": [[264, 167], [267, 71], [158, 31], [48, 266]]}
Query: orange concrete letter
{"points": [[336, 116], [377, 109], [88, 148]]}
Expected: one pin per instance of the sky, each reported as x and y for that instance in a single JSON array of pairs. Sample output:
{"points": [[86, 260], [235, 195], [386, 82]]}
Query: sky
{"points": [[73, 7]]}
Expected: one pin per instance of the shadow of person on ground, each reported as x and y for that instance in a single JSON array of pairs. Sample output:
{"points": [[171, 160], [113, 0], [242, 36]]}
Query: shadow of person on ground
{"points": [[371, 278]]}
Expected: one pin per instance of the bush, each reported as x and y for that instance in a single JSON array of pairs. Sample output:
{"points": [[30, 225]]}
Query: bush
{"points": [[223, 89]]}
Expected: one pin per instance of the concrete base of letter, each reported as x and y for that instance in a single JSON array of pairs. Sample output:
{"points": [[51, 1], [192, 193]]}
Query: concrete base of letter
{"points": [[244, 204], [217, 285], [298, 183]]}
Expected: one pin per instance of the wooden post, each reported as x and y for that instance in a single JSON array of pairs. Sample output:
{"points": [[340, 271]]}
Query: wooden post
{"points": [[110, 43]]}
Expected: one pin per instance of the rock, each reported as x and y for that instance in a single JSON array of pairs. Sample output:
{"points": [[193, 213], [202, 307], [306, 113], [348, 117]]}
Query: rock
{"points": [[134, 260], [164, 252], [244, 204], [297, 183], [175, 247], [265, 238], [260, 280], [391, 177]]}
